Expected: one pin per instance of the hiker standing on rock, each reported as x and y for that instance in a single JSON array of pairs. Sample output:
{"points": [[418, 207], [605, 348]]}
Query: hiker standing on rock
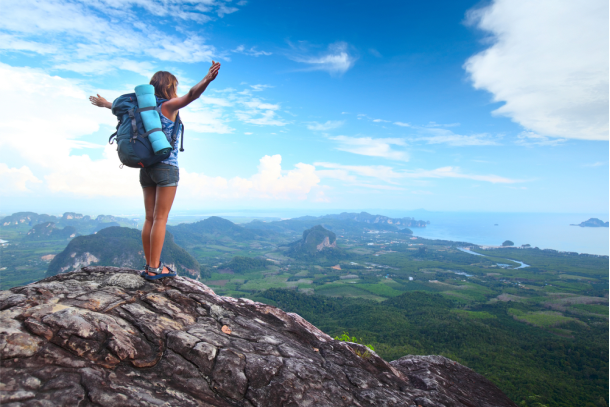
{"points": [[160, 181]]}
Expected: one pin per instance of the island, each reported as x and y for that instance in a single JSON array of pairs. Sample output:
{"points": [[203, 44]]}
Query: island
{"points": [[592, 223]]}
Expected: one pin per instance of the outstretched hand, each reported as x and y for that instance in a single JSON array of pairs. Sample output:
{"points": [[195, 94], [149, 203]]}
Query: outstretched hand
{"points": [[99, 101], [213, 72]]}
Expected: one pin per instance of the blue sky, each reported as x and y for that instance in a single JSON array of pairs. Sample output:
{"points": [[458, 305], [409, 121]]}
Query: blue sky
{"points": [[450, 106]]}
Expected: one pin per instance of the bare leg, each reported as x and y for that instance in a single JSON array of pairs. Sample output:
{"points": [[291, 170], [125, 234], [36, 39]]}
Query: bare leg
{"points": [[150, 194], [163, 204]]}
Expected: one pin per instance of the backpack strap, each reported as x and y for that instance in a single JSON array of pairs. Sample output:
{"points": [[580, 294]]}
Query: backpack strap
{"points": [[113, 135], [134, 128], [178, 124]]}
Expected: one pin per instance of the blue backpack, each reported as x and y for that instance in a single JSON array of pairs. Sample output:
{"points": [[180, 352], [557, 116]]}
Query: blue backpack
{"points": [[133, 146]]}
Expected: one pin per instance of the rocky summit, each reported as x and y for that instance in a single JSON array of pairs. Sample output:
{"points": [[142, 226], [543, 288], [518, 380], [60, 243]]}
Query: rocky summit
{"points": [[104, 336]]}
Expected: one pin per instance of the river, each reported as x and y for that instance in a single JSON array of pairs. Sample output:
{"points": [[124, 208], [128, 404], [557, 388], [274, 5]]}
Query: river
{"points": [[522, 264]]}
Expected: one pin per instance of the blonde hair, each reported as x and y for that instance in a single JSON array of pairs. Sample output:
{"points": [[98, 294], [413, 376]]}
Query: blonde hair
{"points": [[166, 85]]}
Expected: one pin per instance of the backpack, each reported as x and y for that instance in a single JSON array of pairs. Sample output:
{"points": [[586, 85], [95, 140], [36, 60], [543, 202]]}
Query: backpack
{"points": [[133, 146]]}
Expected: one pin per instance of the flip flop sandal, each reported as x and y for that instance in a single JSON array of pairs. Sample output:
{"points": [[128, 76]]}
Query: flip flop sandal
{"points": [[159, 273], [145, 271]]}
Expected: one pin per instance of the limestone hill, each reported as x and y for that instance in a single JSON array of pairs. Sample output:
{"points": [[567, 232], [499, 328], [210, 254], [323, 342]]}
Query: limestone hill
{"points": [[118, 246], [315, 242], [104, 336], [48, 231]]}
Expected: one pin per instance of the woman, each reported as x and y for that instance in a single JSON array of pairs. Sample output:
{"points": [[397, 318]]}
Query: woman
{"points": [[160, 181]]}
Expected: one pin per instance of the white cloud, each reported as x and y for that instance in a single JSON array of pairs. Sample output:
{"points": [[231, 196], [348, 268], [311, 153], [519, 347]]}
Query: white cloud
{"points": [[329, 125], [15, 179], [259, 112], [10, 43], [437, 135], [99, 67], [374, 147], [335, 61], [77, 33], [342, 172], [259, 87], [252, 51], [270, 182], [596, 164], [529, 139], [63, 115], [402, 124], [204, 119], [455, 172], [548, 64], [388, 174]]}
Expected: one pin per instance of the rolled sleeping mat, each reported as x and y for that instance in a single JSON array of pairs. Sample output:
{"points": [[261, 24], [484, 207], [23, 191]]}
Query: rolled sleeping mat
{"points": [[151, 120]]}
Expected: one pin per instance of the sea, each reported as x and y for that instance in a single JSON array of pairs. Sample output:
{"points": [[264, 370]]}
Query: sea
{"points": [[542, 230]]}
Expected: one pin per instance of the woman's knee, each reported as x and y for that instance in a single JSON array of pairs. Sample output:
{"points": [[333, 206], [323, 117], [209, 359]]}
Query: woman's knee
{"points": [[160, 217]]}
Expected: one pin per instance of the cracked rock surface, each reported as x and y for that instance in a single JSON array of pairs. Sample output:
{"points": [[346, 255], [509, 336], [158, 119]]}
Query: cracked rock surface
{"points": [[104, 336]]}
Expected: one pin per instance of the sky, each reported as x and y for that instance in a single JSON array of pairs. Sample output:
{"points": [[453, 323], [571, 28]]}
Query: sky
{"points": [[497, 106]]}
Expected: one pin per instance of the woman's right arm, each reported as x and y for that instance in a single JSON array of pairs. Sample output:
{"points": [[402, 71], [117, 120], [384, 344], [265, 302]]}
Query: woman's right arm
{"points": [[99, 101], [171, 107]]}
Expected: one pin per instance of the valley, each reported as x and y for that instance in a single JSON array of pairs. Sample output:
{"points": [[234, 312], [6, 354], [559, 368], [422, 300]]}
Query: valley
{"points": [[533, 321]]}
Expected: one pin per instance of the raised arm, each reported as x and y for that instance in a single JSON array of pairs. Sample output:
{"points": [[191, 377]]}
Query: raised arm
{"points": [[171, 107], [99, 101]]}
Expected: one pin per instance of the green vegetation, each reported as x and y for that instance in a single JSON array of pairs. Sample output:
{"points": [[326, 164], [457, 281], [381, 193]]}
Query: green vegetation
{"points": [[346, 338], [241, 264], [508, 243], [517, 356]]}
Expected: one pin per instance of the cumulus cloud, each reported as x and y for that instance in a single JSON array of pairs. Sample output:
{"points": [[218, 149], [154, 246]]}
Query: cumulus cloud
{"points": [[336, 60], [329, 125], [373, 147], [16, 179], [270, 182], [548, 63]]}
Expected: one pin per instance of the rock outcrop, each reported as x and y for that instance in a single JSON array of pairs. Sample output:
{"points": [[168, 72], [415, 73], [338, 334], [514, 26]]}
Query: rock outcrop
{"points": [[103, 336]]}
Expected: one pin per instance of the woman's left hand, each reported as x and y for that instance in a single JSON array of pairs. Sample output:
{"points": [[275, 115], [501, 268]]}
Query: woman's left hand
{"points": [[213, 72]]}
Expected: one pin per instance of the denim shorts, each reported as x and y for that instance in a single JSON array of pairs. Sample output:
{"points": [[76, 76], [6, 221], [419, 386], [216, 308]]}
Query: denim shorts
{"points": [[159, 175]]}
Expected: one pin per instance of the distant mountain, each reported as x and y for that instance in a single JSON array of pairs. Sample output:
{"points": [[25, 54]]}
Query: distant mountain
{"points": [[342, 223], [593, 223], [26, 219], [48, 231], [365, 217], [315, 242], [211, 229], [83, 224], [120, 247]]}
